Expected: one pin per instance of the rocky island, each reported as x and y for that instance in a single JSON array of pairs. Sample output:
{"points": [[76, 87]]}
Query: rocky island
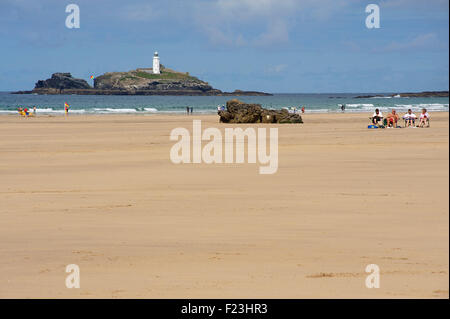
{"points": [[141, 81]]}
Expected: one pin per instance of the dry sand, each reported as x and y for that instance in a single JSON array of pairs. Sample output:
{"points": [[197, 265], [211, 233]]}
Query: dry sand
{"points": [[101, 192]]}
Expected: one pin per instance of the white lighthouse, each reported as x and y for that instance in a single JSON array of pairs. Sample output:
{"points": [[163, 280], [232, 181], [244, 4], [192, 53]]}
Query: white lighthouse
{"points": [[156, 64]]}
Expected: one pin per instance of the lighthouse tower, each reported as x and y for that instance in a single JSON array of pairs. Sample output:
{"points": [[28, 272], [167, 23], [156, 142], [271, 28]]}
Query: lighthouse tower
{"points": [[156, 64]]}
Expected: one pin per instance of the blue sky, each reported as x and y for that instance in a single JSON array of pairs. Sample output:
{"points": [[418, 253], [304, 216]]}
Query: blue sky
{"points": [[266, 45]]}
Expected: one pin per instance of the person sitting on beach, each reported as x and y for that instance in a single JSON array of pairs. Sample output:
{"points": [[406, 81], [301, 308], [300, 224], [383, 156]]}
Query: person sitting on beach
{"points": [[392, 119], [377, 117], [410, 118], [424, 118]]}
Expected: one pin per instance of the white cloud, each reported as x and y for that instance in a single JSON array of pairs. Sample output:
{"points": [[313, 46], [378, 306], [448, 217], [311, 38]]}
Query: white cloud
{"points": [[277, 33], [259, 22], [255, 8], [145, 12], [413, 3], [421, 41], [276, 68]]}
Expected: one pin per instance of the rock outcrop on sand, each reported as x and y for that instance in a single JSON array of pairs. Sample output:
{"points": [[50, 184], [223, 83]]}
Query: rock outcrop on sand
{"points": [[62, 81], [240, 112]]}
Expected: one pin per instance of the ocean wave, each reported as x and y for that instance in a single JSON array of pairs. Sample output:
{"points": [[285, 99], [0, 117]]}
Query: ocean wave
{"points": [[359, 105], [399, 107], [126, 110], [105, 110], [385, 106], [419, 106]]}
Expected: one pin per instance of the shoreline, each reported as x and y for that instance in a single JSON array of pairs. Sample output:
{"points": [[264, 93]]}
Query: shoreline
{"points": [[182, 114]]}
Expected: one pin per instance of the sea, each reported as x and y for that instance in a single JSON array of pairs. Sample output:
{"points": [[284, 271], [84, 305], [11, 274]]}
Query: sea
{"points": [[155, 104]]}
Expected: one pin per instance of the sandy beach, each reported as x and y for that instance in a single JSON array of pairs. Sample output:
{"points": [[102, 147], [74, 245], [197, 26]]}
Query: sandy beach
{"points": [[101, 192]]}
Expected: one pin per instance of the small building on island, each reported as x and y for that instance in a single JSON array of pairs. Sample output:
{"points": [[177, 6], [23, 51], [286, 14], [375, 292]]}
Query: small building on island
{"points": [[156, 69]]}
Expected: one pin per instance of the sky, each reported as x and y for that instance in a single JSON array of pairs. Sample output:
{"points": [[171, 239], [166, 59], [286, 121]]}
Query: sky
{"points": [[278, 46]]}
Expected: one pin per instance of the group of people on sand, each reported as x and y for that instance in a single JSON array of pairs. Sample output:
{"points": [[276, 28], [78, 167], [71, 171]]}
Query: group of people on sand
{"points": [[293, 109], [302, 109], [391, 120], [25, 112]]}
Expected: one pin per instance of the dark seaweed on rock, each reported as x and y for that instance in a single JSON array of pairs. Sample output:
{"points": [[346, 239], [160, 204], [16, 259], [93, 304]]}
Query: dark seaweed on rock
{"points": [[240, 112]]}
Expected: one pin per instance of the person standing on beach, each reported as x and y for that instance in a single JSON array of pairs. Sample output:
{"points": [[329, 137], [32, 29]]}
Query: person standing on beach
{"points": [[192, 110], [34, 110], [187, 110], [66, 108], [343, 107], [303, 109]]}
